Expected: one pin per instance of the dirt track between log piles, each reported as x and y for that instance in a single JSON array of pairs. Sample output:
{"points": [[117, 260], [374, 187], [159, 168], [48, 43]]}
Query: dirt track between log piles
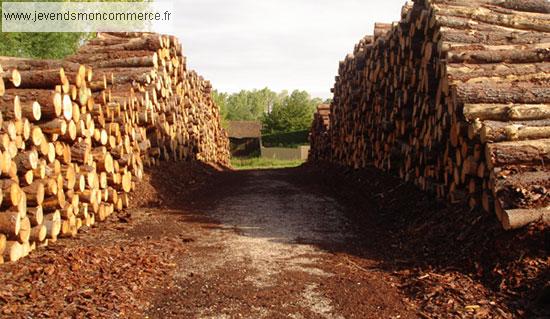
{"points": [[291, 243]]}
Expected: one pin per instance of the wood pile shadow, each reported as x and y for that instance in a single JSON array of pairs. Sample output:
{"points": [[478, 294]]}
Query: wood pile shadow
{"points": [[451, 261]]}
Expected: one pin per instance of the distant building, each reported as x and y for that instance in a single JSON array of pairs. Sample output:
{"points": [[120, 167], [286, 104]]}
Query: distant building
{"points": [[245, 138]]}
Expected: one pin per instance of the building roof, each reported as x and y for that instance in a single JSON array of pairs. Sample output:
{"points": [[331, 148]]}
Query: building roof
{"points": [[244, 129]]}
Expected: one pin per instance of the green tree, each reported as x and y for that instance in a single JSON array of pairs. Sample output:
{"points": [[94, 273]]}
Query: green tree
{"points": [[249, 105], [279, 112], [220, 98], [39, 45], [44, 45], [290, 113]]}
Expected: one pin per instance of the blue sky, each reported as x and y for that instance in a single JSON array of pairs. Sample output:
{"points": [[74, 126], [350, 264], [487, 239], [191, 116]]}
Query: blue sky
{"points": [[283, 44]]}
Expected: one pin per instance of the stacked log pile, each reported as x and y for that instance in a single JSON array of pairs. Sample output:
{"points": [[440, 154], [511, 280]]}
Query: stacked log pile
{"points": [[319, 136], [75, 134], [455, 97]]}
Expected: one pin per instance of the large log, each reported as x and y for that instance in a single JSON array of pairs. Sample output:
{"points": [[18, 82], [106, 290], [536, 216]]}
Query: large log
{"points": [[516, 20], [522, 189], [36, 215], [503, 93], [10, 222], [38, 233], [541, 6], [492, 37], [13, 251], [51, 102], [534, 55], [152, 43], [466, 72], [35, 193], [493, 131], [26, 64], [131, 62], [535, 152], [39, 79], [507, 112], [517, 218], [91, 58]]}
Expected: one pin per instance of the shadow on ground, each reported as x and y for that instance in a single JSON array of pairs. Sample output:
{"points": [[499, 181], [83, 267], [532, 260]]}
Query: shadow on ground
{"points": [[447, 261]]}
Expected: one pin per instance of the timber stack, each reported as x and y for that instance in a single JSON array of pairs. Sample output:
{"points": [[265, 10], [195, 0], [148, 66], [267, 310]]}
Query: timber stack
{"points": [[319, 137], [77, 133], [455, 98]]}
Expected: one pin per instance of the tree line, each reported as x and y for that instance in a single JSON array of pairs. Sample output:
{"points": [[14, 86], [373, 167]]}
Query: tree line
{"points": [[278, 112]]}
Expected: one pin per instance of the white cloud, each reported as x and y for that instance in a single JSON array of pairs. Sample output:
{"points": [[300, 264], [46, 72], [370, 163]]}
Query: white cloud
{"points": [[281, 44]]}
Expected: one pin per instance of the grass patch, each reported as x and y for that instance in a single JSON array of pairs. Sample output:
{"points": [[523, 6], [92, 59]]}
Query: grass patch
{"points": [[242, 163]]}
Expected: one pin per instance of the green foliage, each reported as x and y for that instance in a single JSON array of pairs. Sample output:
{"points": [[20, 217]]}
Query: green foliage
{"points": [[220, 99], [39, 45], [245, 105], [44, 45], [241, 163], [290, 113], [288, 139], [282, 112]]}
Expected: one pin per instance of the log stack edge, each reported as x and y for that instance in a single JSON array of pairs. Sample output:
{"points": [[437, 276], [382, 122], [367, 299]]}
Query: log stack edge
{"points": [[455, 97], [76, 134]]}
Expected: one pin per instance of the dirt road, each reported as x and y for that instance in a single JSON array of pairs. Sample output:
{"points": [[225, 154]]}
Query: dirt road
{"points": [[275, 249], [289, 243]]}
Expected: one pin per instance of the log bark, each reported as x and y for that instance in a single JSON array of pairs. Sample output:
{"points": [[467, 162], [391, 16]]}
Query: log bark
{"points": [[131, 62], [503, 93], [25, 64], [35, 193], [492, 37], [152, 43], [517, 218], [493, 131], [39, 79], [38, 233], [517, 19], [535, 152], [522, 189], [535, 55], [507, 112], [10, 223], [91, 58], [540, 6], [12, 192], [36, 215], [51, 102], [466, 72]]}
